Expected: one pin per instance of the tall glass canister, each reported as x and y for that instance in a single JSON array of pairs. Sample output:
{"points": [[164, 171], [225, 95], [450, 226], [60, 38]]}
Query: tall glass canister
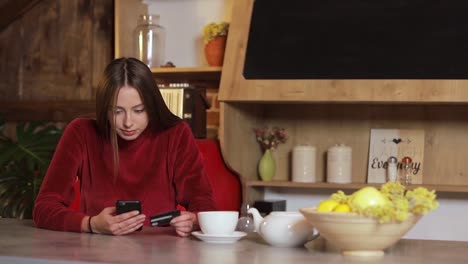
{"points": [[149, 41]]}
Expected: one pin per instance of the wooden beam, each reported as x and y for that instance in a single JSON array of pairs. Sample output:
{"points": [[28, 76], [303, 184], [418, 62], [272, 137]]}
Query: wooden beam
{"points": [[13, 9], [57, 111], [177, 74]]}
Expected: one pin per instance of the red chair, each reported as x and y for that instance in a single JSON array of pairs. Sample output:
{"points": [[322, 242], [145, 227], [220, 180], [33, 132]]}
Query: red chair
{"points": [[224, 181]]}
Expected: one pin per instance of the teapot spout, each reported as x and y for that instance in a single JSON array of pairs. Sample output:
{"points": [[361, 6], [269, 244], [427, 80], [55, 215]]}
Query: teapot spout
{"points": [[258, 219]]}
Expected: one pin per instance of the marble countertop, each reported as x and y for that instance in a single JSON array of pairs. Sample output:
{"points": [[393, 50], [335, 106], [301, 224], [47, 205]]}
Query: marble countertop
{"points": [[21, 242]]}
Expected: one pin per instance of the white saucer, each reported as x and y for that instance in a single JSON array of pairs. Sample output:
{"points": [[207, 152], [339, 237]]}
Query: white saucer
{"points": [[219, 239]]}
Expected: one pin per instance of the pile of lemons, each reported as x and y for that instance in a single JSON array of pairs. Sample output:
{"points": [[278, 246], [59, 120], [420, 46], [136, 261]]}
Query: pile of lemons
{"points": [[391, 202], [331, 205], [363, 198]]}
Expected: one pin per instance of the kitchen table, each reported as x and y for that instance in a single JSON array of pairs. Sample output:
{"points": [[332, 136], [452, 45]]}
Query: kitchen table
{"points": [[21, 242]]}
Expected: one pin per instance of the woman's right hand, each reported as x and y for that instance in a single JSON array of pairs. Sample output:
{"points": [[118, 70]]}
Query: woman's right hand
{"points": [[107, 222]]}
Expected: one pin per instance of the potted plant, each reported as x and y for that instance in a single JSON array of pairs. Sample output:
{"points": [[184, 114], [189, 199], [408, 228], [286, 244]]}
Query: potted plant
{"points": [[269, 139], [215, 35], [23, 164]]}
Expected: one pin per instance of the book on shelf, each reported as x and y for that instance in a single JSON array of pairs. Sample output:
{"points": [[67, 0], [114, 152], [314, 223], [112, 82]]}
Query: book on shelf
{"points": [[189, 103]]}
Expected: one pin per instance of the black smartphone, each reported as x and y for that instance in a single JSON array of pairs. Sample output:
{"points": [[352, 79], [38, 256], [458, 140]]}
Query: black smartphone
{"points": [[123, 206]]}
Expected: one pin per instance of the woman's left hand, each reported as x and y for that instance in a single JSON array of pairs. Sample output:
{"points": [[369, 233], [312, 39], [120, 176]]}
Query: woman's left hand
{"points": [[184, 223]]}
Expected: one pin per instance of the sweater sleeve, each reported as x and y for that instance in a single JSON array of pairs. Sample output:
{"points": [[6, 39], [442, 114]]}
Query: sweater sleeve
{"points": [[56, 193], [191, 182]]}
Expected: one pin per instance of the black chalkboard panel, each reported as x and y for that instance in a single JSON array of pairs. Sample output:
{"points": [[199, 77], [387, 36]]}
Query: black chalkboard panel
{"points": [[358, 39]]}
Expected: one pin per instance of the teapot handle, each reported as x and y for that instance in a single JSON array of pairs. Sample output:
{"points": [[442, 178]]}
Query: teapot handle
{"points": [[257, 218]]}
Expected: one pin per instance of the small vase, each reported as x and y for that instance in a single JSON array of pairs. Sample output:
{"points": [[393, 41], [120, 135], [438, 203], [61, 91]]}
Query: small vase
{"points": [[214, 51], [267, 166]]}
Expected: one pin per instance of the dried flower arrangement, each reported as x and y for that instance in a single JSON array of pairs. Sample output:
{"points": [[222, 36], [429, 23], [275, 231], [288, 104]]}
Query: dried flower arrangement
{"points": [[213, 30], [270, 138]]}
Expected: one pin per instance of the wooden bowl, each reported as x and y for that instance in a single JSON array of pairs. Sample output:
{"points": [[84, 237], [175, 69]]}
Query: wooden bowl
{"points": [[358, 235]]}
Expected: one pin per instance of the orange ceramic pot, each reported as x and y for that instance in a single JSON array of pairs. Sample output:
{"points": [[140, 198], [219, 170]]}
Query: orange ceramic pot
{"points": [[214, 51]]}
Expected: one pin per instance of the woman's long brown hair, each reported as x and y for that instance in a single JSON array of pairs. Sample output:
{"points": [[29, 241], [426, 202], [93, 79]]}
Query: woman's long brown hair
{"points": [[129, 72]]}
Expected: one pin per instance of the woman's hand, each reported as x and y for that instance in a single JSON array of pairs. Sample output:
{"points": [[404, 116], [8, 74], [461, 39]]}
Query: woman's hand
{"points": [[184, 223], [106, 222]]}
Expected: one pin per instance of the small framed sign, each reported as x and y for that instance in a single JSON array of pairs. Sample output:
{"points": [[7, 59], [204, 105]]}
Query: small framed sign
{"points": [[399, 143]]}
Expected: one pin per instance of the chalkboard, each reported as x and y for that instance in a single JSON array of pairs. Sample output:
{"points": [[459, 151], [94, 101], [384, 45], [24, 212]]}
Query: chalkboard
{"points": [[358, 39]]}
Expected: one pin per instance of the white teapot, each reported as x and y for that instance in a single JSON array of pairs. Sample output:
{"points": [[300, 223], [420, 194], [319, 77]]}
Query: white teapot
{"points": [[283, 229]]}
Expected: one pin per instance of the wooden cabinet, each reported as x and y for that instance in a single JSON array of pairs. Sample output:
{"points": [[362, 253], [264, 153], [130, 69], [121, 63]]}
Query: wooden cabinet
{"points": [[326, 112]]}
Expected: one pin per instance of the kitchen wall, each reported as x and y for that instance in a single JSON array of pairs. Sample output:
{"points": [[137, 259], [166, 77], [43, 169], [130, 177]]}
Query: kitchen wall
{"points": [[184, 20], [56, 51]]}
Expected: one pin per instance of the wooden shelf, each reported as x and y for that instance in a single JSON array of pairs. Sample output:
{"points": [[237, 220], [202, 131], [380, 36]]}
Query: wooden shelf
{"points": [[188, 74], [350, 186]]}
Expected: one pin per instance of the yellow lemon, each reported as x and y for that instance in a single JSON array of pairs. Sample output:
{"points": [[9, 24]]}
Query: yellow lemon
{"points": [[327, 205], [342, 208]]}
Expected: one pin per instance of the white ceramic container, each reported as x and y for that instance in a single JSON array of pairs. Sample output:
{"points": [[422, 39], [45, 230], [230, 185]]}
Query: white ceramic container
{"points": [[339, 164], [303, 163]]}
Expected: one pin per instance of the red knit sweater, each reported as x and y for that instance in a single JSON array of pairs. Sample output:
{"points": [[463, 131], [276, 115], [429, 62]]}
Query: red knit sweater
{"points": [[161, 169]]}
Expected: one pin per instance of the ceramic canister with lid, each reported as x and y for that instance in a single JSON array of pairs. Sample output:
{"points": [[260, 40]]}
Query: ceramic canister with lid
{"points": [[339, 164], [303, 163]]}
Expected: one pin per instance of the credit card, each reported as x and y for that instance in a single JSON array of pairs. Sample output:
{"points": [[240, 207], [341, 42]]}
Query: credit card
{"points": [[163, 219]]}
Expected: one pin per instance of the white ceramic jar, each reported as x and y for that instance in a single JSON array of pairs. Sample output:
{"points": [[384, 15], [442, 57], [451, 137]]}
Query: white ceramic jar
{"points": [[339, 160], [303, 163]]}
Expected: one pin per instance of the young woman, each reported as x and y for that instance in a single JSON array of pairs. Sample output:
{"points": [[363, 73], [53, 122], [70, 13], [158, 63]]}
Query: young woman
{"points": [[136, 149]]}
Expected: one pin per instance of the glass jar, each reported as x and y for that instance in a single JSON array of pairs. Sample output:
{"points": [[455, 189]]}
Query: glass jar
{"points": [[149, 41], [245, 222]]}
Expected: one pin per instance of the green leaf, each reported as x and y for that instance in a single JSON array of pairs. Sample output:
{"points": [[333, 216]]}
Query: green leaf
{"points": [[23, 164]]}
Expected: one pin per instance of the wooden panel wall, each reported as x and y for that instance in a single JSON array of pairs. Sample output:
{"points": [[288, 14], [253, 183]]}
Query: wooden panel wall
{"points": [[323, 125], [56, 51]]}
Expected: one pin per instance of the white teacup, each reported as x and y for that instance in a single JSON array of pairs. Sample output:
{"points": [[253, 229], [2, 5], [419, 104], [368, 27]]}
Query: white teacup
{"points": [[218, 223]]}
